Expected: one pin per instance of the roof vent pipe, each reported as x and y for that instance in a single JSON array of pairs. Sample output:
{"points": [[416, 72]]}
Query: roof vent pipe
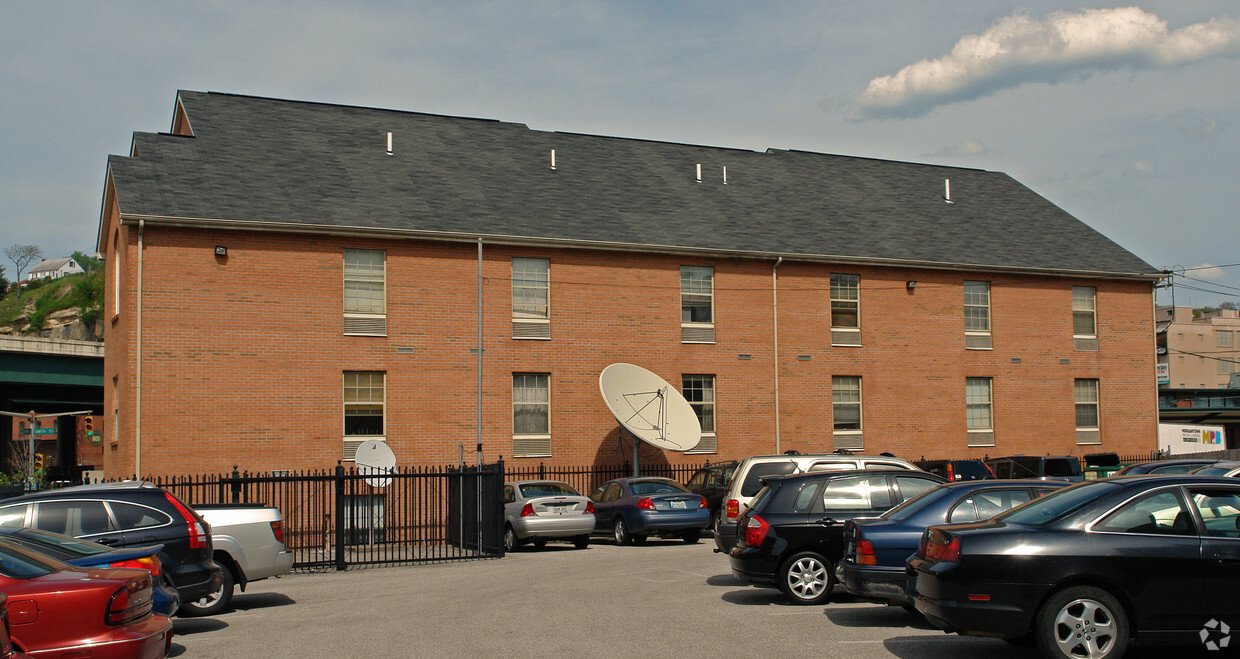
{"points": [[947, 191], [725, 175], [699, 172], [389, 149], [553, 160]]}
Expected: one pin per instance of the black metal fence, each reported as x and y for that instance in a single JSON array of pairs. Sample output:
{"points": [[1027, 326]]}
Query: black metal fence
{"points": [[337, 519]]}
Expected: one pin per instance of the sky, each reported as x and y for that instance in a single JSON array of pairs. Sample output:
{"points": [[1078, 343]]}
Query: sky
{"points": [[1123, 115]]}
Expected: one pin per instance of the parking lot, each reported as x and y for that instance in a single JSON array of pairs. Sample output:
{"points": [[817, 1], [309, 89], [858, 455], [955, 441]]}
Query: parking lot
{"points": [[664, 597]]}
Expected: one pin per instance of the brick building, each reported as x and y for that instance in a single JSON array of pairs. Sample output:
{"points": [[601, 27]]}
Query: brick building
{"points": [[286, 279]]}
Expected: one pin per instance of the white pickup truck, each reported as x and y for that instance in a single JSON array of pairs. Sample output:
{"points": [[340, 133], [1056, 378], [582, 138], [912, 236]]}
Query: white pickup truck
{"points": [[249, 545]]}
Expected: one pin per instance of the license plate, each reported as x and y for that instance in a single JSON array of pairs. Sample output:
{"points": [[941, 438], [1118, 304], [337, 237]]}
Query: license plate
{"points": [[678, 504]]}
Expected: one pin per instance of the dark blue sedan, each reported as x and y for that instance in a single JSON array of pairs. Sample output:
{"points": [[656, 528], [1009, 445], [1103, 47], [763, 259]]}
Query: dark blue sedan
{"points": [[82, 553], [632, 509], [873, 563]]}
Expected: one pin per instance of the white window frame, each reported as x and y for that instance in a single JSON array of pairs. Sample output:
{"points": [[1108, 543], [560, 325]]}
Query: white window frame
{"points": [[846, 392], [977, 338], [1091, 388], [694, 289], [979, 396], [353, 440], [531, 444], [690, 385], [1085, 301], [846, 295], [530, 318], [360, 319]]}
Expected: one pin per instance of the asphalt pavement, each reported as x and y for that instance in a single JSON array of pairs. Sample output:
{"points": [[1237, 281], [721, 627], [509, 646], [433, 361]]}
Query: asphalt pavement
{"points": [[663, 598]]}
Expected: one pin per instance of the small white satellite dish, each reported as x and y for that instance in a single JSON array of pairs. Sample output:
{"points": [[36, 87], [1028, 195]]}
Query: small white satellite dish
{"points": [[375, 457], [650, 408]]}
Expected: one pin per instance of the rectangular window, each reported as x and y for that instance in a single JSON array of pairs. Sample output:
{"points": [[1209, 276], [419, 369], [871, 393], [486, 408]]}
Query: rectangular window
{"points": [[1087, 425], [531, 287], [365, 305], [1222, 339], [697, 314], [699, 390], [846, 411], [1084, 318], [531, 414], [979, 411], [977, 315], [1224, 365], [363, 409], [845, 309]]}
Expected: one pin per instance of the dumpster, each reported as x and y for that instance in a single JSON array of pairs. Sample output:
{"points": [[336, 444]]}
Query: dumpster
{"points": [[1101, 465]]}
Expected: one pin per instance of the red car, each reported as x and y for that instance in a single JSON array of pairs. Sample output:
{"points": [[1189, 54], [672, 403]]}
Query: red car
{"points": [[56, 610], [6, 644]]}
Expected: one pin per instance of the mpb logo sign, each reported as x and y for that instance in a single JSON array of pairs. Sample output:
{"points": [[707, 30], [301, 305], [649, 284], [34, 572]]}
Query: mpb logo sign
{"points": [[1216, 635]]}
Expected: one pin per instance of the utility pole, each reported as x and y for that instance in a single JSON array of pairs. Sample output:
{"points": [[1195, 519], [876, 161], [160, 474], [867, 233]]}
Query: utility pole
{"points": [[33, 419]]}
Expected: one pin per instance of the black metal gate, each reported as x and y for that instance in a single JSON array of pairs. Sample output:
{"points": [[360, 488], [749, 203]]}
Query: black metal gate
{"points": [[341, 519]]}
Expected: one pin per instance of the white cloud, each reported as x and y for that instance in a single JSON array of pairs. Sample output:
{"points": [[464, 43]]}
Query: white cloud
{"points": [[1144, 167], [1208, 271], [965, 148], [1065, 45]]}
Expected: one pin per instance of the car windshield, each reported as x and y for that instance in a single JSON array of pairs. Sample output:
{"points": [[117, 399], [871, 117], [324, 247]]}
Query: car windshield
{"points": [[548, 489], [1057, 504], [19, 562], [753, 480], [657, 487], [56, 545], [915, 505]]}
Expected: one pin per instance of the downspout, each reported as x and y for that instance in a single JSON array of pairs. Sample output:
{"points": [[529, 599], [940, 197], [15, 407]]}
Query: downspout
{"points": [[775, 333], [138, 318]]}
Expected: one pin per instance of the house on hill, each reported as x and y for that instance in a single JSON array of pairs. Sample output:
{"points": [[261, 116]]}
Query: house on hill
{"points": [[287, 279], [54, 269]]}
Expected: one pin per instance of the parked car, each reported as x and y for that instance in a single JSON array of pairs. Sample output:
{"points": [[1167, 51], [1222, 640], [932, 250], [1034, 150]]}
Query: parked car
{"points": [[711, 482], [794, 528], [539, 511], [747, 480], [873, 564], [247, 540], [81, 553], [957, 470], [127, 514], [1044, 467], [58, 610], [1181, 466], [631, 509], [1225, 468], [1085, 568]]}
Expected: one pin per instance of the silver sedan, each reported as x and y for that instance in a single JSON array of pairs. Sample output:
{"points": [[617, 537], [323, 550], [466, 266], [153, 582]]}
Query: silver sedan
{"points": [[539, 511]]}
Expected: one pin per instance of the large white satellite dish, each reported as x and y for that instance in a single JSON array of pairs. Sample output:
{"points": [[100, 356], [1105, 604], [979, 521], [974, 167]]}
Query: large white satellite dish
{"points": [[650, 408], [376, 460]]}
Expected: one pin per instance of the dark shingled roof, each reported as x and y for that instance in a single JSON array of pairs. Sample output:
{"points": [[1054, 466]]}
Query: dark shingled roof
{"points": [[259, 163]]}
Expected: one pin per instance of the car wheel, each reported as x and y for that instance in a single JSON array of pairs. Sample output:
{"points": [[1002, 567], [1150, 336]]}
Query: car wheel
{"points": [[581, 541], [806, 578], [691, 536], [714, 522], [213, 604], [621, 532], [1081, 622], [511, 542], [540, 542]]}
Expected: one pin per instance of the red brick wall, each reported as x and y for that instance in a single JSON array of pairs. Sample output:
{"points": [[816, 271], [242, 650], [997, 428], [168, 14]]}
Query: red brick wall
{"points": [[242, 357]]}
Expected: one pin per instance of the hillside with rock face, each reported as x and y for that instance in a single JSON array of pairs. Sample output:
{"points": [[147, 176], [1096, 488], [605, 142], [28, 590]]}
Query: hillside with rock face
{"points": [[65, 308]]}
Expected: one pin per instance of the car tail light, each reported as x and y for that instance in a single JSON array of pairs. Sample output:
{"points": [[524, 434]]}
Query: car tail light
{"points": [[130, 602], [755, 531], [277, 529], [702, 503], [734, 508], [589, 508], [149, 563], [198, 536], [528, 511], [645, 504], [951, 472], [865, 553]]}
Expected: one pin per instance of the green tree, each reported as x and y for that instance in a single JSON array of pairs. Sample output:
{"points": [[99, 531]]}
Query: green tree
{"points": [[88, 263], [21, 256]]}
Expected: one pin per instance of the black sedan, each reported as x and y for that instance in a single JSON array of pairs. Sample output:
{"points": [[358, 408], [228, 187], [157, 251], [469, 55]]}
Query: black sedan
{"points": [[1083, 570], [873, 564], [793, 532]]}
